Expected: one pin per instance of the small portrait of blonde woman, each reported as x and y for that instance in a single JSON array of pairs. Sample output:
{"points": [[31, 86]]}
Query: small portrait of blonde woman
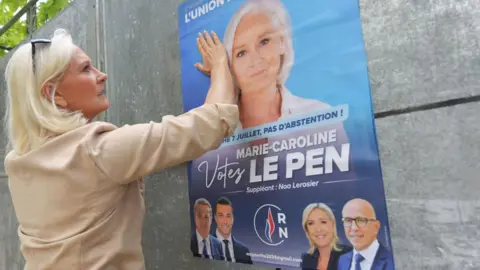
{"points": [[259, 44], [320, 228]]}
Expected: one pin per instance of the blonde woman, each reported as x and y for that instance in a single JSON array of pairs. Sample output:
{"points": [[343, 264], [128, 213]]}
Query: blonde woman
{"points": [[76, 184], [320, 228], [258, 40]]}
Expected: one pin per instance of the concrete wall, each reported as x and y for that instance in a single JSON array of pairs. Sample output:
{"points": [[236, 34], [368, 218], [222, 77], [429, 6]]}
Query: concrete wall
{"points": [[421, 53]]}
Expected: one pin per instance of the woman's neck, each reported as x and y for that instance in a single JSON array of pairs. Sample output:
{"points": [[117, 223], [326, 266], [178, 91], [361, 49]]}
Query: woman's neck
{"points": [[260, 107], [324, 257], [325, 251]]}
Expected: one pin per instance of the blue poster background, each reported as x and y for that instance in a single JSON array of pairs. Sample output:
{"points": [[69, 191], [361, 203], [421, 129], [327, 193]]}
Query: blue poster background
{"points": [[330, 66]]}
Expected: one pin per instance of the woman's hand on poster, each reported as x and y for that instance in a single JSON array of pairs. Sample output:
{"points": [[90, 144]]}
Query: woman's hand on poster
{"points": [[213, 52], [215, 65]]}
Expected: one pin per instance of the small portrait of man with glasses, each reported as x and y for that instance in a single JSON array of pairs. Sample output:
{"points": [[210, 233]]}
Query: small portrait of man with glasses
{"points": [[361, 229]]}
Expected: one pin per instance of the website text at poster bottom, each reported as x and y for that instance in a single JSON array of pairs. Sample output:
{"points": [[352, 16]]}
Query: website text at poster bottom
{"points": [[276, 187], [274, 257]]}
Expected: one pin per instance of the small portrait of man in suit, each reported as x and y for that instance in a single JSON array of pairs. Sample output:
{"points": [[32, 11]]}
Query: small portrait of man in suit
{"points": [[233, 250], [202, 243], [361, 229]]}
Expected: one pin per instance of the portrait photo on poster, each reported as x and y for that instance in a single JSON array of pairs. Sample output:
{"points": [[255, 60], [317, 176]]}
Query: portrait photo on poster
{"points": [[299, 184]]}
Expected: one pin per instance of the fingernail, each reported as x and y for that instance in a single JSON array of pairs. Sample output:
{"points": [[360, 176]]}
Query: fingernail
{"points": [[199, 33]]}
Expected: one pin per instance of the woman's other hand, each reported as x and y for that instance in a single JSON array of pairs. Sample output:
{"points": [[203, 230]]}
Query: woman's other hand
{"points": [[216, 65], [205, 66], [212, 51]]}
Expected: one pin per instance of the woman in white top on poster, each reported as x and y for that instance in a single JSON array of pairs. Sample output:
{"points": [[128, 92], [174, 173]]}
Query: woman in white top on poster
{"points": [[258, 40]]}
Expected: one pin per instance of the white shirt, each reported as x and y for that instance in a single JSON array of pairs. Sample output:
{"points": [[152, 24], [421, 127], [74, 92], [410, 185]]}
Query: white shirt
{"points": [[368, 255], [230, 245], [294, 106], [200, 245]]}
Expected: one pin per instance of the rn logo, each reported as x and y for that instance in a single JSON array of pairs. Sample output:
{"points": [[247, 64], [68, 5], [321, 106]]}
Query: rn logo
{"points": [[270, 224]]}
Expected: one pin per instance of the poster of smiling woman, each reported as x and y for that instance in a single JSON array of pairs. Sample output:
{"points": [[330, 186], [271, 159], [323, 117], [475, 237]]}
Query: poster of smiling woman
{"points": [[299, 183]]}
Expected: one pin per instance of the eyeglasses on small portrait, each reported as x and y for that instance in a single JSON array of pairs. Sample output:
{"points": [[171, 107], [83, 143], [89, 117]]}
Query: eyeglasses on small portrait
{"points": [[360, 222]]}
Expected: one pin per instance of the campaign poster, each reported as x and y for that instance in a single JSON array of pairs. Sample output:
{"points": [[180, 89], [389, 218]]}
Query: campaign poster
{"points": [[299, 184]]}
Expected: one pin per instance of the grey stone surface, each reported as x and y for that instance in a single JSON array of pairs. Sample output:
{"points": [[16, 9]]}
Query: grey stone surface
{"points": [[142, 58], [430, 167], [421, 51], [3, 135], [74, 19], [436, 233], [433, 154], [10, 256]]}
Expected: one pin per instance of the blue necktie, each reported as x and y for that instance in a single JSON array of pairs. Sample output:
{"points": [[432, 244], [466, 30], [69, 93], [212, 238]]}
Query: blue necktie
{"points": [[204, 252], [227, 252], [358, 259]]}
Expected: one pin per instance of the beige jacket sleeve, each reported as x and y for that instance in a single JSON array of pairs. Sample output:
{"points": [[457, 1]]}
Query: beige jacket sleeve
{"points": [[132, 151]]}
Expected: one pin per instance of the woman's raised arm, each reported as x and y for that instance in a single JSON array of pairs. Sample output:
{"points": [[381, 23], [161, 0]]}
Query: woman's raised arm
{"points": [[130, 152]]}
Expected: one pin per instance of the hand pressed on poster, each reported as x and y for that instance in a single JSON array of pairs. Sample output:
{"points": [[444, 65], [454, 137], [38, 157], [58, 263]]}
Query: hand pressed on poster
{"points": [[213, 53]]}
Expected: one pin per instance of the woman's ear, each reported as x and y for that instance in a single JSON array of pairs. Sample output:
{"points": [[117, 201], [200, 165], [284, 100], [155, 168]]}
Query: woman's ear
{"points": [[48, 92]]}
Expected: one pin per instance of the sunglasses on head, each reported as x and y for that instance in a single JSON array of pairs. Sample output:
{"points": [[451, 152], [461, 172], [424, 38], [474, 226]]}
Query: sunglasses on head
{"points": [[37, 41]]}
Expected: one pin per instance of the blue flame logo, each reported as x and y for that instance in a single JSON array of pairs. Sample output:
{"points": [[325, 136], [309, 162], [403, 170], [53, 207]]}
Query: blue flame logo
{"points": [[270, 226]]}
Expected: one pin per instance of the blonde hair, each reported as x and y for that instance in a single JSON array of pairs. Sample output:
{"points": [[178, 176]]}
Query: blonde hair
{"points": [[31, 118], [280, 19], [331, 216]]}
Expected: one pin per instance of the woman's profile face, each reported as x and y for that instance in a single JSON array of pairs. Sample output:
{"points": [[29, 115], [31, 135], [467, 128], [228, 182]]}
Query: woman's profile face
{"points": [[320, 228], [82, 87], [256, 53]]}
